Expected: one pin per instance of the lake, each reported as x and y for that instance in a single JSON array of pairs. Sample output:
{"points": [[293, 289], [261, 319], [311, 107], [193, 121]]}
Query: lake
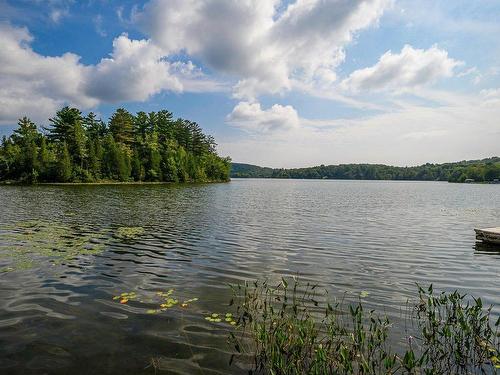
{"points": [[67, 251]]}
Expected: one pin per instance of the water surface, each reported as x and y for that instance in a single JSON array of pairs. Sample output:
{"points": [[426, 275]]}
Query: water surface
{"points": [[58, 316]]}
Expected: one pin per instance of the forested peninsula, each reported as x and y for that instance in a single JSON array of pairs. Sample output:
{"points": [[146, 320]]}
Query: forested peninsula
{"points": [[485, 170], [145, 147]]}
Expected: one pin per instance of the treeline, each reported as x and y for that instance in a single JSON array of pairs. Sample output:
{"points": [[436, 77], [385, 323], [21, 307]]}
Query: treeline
{"points": [[142, 147], [486, 170]]}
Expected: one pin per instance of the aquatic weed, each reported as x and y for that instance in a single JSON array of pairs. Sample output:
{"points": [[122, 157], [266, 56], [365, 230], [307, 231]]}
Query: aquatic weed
{"points": [[129, 233], [26, 243], [287, 330]]}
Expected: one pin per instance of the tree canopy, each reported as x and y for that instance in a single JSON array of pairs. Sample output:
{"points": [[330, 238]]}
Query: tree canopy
{"points": [[486, 170], [143, 147]]}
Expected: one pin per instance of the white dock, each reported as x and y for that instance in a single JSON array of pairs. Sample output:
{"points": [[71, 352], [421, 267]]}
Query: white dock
{"points": [[490, 235]]}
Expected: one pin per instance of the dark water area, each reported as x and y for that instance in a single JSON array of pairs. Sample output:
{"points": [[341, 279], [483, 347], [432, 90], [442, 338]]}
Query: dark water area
{"points": [[64, 255]]}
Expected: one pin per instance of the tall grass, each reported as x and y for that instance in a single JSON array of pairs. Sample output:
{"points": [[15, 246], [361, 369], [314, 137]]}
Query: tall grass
{"points": [[291, 329]]}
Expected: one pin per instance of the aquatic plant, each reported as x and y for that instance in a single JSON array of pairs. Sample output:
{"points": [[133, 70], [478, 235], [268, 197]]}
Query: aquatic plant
{"points": [[455, 333], [164, 300], [125, 297], [221, 318], [27, 243], [286, 329], [129, 233]]}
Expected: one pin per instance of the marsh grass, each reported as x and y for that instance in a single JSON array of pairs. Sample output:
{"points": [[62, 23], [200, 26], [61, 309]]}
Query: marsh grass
{"points": [[293, 329]]}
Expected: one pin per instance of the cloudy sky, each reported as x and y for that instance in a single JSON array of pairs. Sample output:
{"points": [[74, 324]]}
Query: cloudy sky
{"points": [[278, 83]]}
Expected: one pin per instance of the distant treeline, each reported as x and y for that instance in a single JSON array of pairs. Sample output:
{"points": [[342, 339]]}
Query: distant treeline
{"points": [[143, 147], [486, 170]]}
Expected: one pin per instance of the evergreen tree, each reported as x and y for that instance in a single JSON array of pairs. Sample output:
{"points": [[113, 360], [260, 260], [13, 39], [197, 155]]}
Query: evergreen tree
{"points": [[121, 126], [146, 147], [64, 167], [63, 123]]}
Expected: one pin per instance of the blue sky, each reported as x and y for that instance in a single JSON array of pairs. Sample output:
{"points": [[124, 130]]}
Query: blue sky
{"points": [[278, 83]]}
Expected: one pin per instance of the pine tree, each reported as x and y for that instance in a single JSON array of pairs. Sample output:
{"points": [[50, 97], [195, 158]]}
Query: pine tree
{"points": [[64, 168], [62, 125], [121, 126]]}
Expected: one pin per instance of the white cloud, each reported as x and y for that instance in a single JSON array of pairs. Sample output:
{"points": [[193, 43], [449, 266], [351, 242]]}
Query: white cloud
{"points": [[37, 85], [42, 83], [405, 70], [57, 14], [410, 136], [251, 40], [98, 25], [134, 71], [251, 117]]}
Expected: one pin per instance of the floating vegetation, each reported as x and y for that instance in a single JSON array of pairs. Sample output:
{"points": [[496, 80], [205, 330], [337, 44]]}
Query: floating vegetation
{"points": [[125, 297], [26, 244], [164, 300], [364, 294], [129, 233], [221, 318], [188, 301]]}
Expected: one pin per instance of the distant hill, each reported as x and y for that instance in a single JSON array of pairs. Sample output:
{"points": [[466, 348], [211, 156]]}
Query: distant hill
{"points": [[485, 170]]}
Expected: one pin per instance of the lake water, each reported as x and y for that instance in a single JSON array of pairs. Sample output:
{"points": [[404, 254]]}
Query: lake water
{"points": [[58, 315]]}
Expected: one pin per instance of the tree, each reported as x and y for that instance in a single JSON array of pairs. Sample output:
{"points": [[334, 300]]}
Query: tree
{"points": [[121, 126], [64, 167], [150, 147], [63, 122], [26, 137]]}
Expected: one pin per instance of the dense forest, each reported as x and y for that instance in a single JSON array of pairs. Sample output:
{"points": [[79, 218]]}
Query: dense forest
{"points": [[143, 147], [486, 170]]}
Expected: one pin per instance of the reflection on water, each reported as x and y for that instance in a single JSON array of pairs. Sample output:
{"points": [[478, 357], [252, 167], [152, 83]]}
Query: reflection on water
{"points": [[375, 238]]}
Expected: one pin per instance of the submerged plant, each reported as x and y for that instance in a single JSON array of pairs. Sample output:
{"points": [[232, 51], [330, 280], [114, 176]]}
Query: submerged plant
{"points": [[287, 330], [129, 233], [27, 243]]}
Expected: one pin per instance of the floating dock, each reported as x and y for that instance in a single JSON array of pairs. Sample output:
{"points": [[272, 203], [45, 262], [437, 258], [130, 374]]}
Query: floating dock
{"points": [[490, 235]]}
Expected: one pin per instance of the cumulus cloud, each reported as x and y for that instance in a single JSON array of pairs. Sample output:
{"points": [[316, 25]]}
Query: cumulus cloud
{"points": [[251, 116], [37, 85], [408, 69], [264, 48], [28, 79], [134, 71]]}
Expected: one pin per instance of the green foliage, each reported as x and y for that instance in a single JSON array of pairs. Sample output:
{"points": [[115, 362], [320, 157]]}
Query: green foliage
{"points": [[121, 127], [485, 170], [64, 168], [287, 329], [77, 148]]}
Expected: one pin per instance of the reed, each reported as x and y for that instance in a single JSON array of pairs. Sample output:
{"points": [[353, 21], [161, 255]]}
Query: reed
{"points": [[291, 328]]}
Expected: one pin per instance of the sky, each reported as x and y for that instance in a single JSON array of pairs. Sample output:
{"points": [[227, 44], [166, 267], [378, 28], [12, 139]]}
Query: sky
{"points": [[277, 83]]}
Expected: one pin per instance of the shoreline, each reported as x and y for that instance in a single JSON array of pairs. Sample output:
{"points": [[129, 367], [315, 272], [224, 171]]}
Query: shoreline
{"points": [[15, 183]]}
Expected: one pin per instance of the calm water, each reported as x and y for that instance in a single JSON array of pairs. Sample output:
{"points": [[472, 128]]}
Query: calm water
{"points": [[58, 315]]}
